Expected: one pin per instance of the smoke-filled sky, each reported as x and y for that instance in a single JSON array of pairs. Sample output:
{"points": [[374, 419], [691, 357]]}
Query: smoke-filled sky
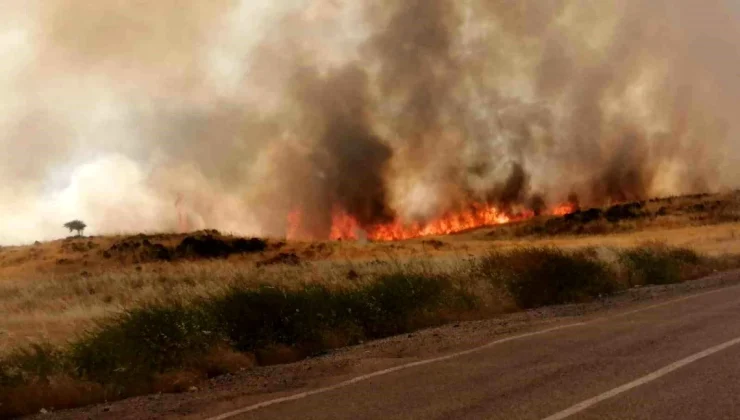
{"points": [[242, 111]]}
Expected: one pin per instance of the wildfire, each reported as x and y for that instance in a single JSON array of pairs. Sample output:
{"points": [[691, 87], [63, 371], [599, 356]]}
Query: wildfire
{"points": [[295, 220], [346, 227], [564, 209]]}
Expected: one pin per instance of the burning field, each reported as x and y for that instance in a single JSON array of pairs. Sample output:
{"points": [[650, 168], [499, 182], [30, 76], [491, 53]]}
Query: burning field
{"points": [[311, 174], [316, 119], [345, 227], [203, 304]]}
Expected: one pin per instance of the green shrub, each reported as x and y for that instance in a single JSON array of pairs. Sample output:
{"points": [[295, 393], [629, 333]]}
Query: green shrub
{"points": [[253, 318], [685, 256], [537, 277], [657, 264], [33, 364], [139, 343], [388, 305]]}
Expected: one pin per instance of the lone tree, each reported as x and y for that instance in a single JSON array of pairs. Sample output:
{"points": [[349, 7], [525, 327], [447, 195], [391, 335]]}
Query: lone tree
{"points": [[77, 225]]}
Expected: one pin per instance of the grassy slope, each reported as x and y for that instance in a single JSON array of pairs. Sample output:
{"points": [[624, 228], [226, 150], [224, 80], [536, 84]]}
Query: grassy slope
{"points": [[167, 346], [52, 292]]}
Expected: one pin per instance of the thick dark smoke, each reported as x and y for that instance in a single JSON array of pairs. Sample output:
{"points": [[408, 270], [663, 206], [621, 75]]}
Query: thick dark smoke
{"points": [[247, 112], [349, 161]]}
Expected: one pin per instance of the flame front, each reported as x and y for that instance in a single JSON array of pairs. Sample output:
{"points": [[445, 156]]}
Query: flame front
{"points": [[346, 227], [452, 222], [564, 209]]}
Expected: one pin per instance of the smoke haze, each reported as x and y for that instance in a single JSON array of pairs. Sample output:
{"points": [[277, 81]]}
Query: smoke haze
{"points": [[233, 114]]}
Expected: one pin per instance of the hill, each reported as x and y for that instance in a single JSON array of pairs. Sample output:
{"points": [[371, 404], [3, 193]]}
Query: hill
{"points": [[312, 296], [56, 289], [664, 218]]}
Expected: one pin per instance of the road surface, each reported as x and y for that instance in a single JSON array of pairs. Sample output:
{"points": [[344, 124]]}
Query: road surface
{"points": [[675, 360]]}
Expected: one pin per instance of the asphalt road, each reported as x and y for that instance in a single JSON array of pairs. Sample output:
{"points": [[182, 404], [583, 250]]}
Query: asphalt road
{"points": [[679, 360]]}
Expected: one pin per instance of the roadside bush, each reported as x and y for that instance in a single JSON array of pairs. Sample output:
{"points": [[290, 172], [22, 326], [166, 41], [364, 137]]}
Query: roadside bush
{"points": [[130, 348], [388, 305], [658, 264], [36, 363], [38, 376], [537, 277], [127, 352], [253, 318]]}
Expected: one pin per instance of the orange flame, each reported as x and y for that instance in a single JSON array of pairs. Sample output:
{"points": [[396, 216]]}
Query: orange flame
{"points": [[295, 224], [346, 227], [564, 209]]}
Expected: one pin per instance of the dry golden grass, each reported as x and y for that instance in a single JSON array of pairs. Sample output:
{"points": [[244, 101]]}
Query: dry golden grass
{"points": [[166, 339], [713, 240], [56, 308], [53, 291]]}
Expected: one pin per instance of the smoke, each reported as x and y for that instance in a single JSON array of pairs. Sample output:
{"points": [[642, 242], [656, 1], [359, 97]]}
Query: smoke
{"points": [[237, 113]]}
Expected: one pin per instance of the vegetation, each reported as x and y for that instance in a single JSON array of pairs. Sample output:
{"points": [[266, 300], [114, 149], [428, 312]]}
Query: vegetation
{"points": [[670, 212], [657, 264], [135, 352], [76, 225], [545, 276], [95, 319], [125, 355]]}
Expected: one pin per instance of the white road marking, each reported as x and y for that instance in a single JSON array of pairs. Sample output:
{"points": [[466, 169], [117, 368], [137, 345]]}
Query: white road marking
{"points": [[383, 372], [641, 381]]}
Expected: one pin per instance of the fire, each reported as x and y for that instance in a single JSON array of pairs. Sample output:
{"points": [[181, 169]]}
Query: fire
{"points": [[452, 222], [346, 227], [564, 209], [295, 222]]}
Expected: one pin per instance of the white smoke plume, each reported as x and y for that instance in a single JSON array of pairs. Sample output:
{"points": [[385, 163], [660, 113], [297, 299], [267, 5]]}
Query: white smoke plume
{"points": [[232, 114]]}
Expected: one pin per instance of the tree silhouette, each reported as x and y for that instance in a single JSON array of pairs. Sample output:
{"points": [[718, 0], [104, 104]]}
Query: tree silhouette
{"points": [[77, 225]]}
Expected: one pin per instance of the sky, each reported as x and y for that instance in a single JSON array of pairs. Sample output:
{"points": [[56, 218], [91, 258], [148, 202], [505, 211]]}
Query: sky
{"points": [[236, 113]]}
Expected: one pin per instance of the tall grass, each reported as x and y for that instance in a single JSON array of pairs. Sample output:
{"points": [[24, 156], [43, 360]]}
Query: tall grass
{"points": [[546, 276], [659, 264], [132, 352], [126, 354]]}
